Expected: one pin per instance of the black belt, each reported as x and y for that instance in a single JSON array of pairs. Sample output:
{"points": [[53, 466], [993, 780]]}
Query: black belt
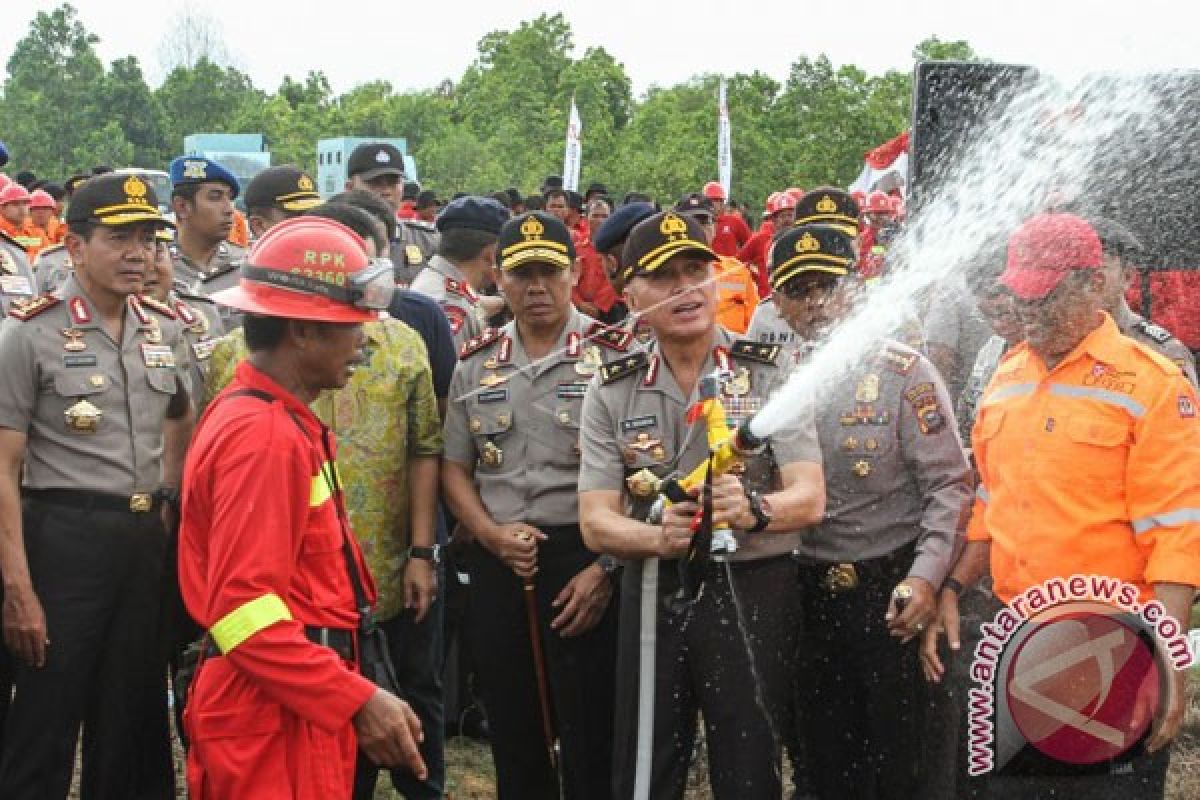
{"points": [[846, 576], [339, 640], [83, 500]]}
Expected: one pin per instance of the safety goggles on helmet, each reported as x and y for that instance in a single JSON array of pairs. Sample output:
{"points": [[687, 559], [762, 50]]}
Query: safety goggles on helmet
{"points": [[370, 289]]}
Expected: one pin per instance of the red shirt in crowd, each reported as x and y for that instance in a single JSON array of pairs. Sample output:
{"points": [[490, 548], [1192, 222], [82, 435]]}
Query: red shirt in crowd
{"points": [[1174, 303], [732, 234]]}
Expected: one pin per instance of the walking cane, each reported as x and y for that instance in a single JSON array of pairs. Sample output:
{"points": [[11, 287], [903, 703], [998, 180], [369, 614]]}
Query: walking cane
{"points": [[543, 685]]}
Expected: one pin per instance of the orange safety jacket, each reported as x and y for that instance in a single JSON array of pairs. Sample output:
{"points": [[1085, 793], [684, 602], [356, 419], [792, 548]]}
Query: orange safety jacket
{"points": [[1089, 468], [737, 294]]}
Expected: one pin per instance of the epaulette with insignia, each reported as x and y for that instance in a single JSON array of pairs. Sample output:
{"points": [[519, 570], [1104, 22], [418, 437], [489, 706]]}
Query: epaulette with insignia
{"points": [[1155, 332], [193, 297], [158, 307], [613, 338], [623, 367], [460, 288], [899, 361], [755, 351], [28, 309], [224, 269], [474, 345]]}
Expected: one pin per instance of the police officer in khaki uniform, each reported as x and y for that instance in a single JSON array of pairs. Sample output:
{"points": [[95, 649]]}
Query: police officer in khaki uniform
{"points": [[378, 167], [197, 315], [462, 268], [17, 282], [726, 651], [94, 407], [202, 198], [276, 194], [51, 268], [1122, 251], [509, 475], [898, 485]]}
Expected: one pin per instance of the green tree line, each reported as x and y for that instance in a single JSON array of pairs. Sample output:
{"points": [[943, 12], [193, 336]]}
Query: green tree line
{"points": [[500, 124]]}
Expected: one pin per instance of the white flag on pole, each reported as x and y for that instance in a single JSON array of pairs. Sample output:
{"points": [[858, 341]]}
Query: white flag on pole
{"points": [[724, 142], [574, 153]]}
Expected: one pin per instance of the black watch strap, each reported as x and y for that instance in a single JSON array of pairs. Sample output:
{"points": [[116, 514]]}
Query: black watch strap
{"points": [[953, 585], [761, 518], [433, 553]]}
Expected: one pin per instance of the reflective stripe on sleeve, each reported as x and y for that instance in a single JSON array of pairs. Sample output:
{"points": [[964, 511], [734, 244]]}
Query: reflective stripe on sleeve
{"points": [[322, 485], [248, 619], [1005, 392], [982, 494], [1102, 395], [1166, 519]]}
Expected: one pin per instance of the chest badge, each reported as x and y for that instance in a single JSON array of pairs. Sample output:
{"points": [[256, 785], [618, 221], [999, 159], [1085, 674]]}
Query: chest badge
{"points": [[83, 417], [862, 468], [492, 379], [492, 455], [74, 342], [590, 362], [868, 389], [737, 384], [153, 333]]}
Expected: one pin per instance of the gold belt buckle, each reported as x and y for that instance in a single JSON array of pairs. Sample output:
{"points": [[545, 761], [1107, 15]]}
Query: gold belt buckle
{"points": [[141, 503], [840, 578]]}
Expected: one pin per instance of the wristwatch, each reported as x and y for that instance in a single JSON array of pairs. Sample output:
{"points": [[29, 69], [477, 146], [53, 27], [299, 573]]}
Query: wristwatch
{"points": [[760, 507], [953, 585], [609, 564], [433, 553]]}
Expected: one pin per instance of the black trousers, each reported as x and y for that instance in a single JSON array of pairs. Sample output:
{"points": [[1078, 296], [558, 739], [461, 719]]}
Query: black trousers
{"points": [[416, 651], [98, 575], [858, 688], [735, 669], [580, 670]]}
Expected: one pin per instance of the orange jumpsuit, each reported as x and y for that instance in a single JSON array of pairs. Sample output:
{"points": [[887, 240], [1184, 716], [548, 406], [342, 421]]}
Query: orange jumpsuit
{"points": [[1089, 468], [240, 235], [260, 558], [26, 235]]}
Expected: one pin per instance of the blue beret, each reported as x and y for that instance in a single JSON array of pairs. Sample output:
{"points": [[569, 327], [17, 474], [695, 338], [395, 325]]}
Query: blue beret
{"points": [[3, 154], [476, 213], [197, 169], [616, 228]]}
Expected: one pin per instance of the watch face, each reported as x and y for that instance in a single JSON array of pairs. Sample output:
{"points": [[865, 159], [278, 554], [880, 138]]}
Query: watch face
{"points": [[765, 505]]}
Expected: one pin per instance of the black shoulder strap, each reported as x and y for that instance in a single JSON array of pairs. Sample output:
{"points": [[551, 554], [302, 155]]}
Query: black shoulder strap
{"points": [[365, 615]]}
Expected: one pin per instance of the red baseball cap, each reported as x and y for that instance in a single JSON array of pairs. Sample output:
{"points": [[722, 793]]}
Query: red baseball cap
{"points": [[714, 191], [13, 193], [1045, 250]]}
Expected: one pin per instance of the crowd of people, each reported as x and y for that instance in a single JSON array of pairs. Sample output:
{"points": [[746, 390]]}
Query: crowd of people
{"points": [[390, 460]]}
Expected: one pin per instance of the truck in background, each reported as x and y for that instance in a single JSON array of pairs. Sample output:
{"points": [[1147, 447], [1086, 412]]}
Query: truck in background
{"points": [[243, 154]]}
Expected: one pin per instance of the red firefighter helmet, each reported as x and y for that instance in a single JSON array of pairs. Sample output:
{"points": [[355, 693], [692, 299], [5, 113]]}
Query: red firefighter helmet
{"points": [[772, 203], [313, 269], [42, 199], [878, 203], [13, 193], [794, 192], [714, 191], [785, 200]]}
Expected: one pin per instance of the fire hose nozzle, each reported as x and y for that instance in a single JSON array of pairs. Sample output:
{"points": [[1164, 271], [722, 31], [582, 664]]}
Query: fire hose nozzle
{"points": [[745, 442]]}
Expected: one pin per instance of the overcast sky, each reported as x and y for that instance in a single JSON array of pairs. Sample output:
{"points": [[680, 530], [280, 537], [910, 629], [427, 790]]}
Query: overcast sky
{"points": [[418, 43]]}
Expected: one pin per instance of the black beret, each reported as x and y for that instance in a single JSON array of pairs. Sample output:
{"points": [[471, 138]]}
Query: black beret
{"points": [[475, 213], [615, 230]]}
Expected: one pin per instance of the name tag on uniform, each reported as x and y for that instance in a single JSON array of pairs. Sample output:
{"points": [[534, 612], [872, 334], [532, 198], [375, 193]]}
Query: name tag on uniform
{"points": [[493, 396], [15, 284], [639, 423], [157, 355], [79, 360], [203, 349], [567, 391]]}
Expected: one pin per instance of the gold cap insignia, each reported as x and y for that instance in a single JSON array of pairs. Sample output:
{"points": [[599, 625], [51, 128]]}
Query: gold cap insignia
{"points": [[808, 244], [134, 187], [305, 184], [826, 205], [673, 227], [196, 170], [532, 229]]}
